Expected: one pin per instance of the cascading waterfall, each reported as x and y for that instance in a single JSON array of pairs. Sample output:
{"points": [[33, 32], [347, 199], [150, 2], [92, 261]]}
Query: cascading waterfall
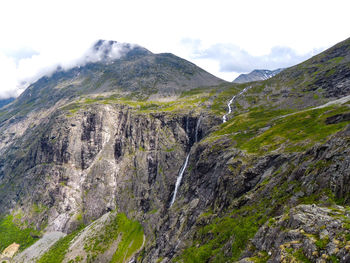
{"points": [[229, 109], [224, 118], [179, 178], [183, 168], [197, 127], [187, 125]]}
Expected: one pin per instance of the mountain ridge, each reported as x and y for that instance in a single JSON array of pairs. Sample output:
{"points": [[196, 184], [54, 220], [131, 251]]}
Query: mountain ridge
{"points": [[104, 157], [256, 75]]}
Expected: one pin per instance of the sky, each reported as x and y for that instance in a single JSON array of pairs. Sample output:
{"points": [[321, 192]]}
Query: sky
{"points": [[224, 37]]}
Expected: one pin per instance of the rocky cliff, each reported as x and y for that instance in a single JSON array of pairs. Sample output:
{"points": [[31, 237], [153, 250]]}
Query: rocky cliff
{"points": [[93, 154]]}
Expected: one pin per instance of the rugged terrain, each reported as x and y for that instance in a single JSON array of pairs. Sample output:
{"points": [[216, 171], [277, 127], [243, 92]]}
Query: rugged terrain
{"points": [[90, 158], [256, 75], [4, 102]]}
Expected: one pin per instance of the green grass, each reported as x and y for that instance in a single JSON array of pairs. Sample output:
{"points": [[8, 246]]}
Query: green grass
{"points": [[210, 239], [336, 60], [132, 238], [197, 91], [322, 243], [333, 259], [131, 233], [190, 101], [300, 256], [262, 130], [11, 232], [58, 251], [219, 105], [263, 257], [236, 229], [230, 233]]}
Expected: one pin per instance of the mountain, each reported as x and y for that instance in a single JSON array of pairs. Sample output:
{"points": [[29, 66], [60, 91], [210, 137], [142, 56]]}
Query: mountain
{"points": [[136, 72], [92, 158], [4, 102], [256, 75]]}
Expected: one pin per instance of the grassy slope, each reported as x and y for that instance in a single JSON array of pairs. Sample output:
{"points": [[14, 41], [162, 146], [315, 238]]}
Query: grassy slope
{"points": [[131, 233], [259, 130], [262, 130], [11, 232], [59, 249]]}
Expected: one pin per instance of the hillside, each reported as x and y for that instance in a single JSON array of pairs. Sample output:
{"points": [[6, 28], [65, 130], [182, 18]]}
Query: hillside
{"points": [[91, 160], [4, 102]]}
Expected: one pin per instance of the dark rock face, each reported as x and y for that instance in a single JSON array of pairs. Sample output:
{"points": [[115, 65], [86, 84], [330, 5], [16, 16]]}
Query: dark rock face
{"points": [[338, 118], [97, 159], [335, 82]]}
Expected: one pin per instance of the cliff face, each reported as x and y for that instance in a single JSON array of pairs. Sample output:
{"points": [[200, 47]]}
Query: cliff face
{"points": [[98, 165], [77, 167], [94, 159]]}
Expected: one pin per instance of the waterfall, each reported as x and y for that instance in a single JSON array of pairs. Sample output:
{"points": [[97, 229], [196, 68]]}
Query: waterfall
{"points": [[197, 127], [187, 125], [179, 178], [183, 168], [224, 118]]}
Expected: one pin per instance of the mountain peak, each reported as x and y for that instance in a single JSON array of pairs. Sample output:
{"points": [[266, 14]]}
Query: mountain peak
{"points": [[256, 75], [106, 50]]}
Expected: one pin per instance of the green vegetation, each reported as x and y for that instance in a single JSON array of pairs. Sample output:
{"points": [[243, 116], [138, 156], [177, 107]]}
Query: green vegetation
{"points": [[120, 227], [231, 232], [128, 233], [336, 60], [185, 102], [322, 243], [59, 249], [333, 259], [300, 256], [11, 232], [262, 257], [37, 209], [212, 237], [219, 105], [235, 229], [262, 130], [197, 92], [131, 241]]}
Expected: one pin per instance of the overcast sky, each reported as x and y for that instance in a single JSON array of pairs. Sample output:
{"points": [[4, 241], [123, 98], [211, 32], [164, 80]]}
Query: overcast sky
{"points": [[225, 38]]}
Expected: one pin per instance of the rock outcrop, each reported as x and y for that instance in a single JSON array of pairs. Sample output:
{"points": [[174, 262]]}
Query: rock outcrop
{"points": [[307, 232]]}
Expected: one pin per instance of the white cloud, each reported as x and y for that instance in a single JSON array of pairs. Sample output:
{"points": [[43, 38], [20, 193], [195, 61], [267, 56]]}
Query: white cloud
{"points": [[8, 83], [22, 71], [231, 58], [63, 30]]}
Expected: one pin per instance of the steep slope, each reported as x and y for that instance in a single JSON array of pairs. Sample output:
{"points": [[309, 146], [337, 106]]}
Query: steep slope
{"points": [[4, 102], [83, 142], [328, 72], [136, 75], [256, 75], [100, 164]]}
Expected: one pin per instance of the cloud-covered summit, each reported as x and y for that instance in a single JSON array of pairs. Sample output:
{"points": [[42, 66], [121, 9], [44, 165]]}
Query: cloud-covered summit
{"points": [[20, 71], [108, 50]]}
